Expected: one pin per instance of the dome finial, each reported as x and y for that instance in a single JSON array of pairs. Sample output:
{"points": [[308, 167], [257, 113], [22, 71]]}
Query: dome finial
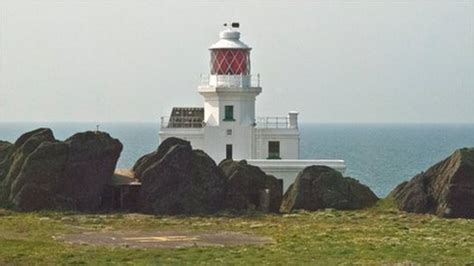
{"points": [[229, 38], [234, 25]]}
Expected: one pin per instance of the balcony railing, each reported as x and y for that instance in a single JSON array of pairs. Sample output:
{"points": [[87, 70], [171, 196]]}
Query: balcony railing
{"points": [[273, 122], [197, 122], [181, 122], [239, 81]]}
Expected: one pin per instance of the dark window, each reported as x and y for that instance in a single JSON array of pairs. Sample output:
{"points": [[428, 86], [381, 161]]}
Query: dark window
{"points": [[229, 113], [274, 150], [228, 151]]}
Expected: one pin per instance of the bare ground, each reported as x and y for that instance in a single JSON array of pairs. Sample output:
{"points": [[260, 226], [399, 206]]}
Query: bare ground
{"points": [[164, 239]]}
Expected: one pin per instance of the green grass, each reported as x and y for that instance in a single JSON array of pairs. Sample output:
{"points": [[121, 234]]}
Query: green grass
{"points": [[377, 235]]}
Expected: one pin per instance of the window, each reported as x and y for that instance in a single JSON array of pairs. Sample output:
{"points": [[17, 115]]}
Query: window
{"points": [[273, 150], [228, 151], [229, 132], [230, 62], [229, 113]]}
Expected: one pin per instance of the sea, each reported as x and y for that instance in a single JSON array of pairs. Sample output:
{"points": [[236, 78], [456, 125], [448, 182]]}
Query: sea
{"points": [[378, 155]]}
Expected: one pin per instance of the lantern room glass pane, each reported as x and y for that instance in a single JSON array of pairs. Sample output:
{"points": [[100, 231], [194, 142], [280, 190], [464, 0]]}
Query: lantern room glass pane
{"points": [[230, 62]]}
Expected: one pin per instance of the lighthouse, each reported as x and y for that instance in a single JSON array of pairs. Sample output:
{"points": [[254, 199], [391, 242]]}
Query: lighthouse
{"points": [[227, 126]]}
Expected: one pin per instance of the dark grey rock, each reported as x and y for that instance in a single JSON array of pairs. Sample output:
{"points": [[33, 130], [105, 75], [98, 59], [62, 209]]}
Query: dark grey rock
{"points": [[149, 159], [321, 187], [12, 165], [5, 148], [445, 189], [43, 173], [179, 180], [90, 165], [249, 188]]}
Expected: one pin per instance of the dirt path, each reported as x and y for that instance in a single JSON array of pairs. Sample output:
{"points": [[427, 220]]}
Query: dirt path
{"points": [[164, 239]]}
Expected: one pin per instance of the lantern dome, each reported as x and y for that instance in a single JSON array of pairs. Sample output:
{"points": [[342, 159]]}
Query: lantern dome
{"points": [[229, 39], [230, 56]]}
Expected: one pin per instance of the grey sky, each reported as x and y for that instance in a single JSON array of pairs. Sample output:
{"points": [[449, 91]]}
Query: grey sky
{"points": [[334, 61]]}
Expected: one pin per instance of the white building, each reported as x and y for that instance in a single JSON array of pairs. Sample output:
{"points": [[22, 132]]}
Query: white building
{"points": [[227, 126]]}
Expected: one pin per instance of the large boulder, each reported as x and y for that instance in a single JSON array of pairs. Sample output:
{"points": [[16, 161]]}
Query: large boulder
{"points": [[12, 165], [445, 189], [43, 173], [148, 160], [249, 188], [321, 187], [5, 148], [179, 180]]}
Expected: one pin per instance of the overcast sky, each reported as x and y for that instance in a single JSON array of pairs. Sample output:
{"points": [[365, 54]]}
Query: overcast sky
{"points": [[334, 61]]}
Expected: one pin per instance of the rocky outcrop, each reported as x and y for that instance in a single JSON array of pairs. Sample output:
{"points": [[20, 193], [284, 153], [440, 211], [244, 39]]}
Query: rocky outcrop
{"points": [[320, 187], [5, 148], [179, 180], [12, 165], [445, 189], [41, 172], [249, 188]]}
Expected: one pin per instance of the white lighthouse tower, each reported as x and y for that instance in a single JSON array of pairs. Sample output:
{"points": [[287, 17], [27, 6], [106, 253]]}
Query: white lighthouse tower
{"points": [[229, 100], [227, 127]]}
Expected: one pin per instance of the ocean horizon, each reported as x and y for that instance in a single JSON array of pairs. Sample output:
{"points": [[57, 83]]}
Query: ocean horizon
{"points": [[379, 155]]}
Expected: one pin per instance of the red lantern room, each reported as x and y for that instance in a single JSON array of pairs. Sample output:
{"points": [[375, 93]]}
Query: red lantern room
{"points": [[230, 56]]}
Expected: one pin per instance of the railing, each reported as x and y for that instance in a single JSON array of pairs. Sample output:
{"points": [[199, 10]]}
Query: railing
{"points": [[272, 122], [239, 81], [197, 122], [181, 122]]}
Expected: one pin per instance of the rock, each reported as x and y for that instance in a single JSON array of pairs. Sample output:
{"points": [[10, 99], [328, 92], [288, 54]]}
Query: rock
{"points": [[321, 187], [179, 180], [12, 165], [445, 189], [90, 165], [5, 148], [44, 173], [147, 160], [250, 188]]}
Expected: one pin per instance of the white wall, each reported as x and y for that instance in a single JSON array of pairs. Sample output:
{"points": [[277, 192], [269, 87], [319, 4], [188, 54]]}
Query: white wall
{"points": [[216, 139], [247, 142], [215, 132], [289, 142], [211, 112], [216, 98]]}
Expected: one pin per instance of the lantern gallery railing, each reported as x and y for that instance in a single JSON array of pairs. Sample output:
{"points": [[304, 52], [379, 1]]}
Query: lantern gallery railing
{"points": [[239, 81], [272, 122], [181, 122]]}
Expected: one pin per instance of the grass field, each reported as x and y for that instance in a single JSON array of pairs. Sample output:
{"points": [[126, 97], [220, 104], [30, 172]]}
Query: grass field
{"points": [[377, 235]]}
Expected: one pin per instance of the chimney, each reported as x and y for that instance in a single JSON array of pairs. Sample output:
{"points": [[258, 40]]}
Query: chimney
{"points": [[293, 119]]}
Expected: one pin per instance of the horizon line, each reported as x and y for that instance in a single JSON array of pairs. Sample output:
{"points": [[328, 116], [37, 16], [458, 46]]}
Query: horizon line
{"points": [[300, 122]]}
